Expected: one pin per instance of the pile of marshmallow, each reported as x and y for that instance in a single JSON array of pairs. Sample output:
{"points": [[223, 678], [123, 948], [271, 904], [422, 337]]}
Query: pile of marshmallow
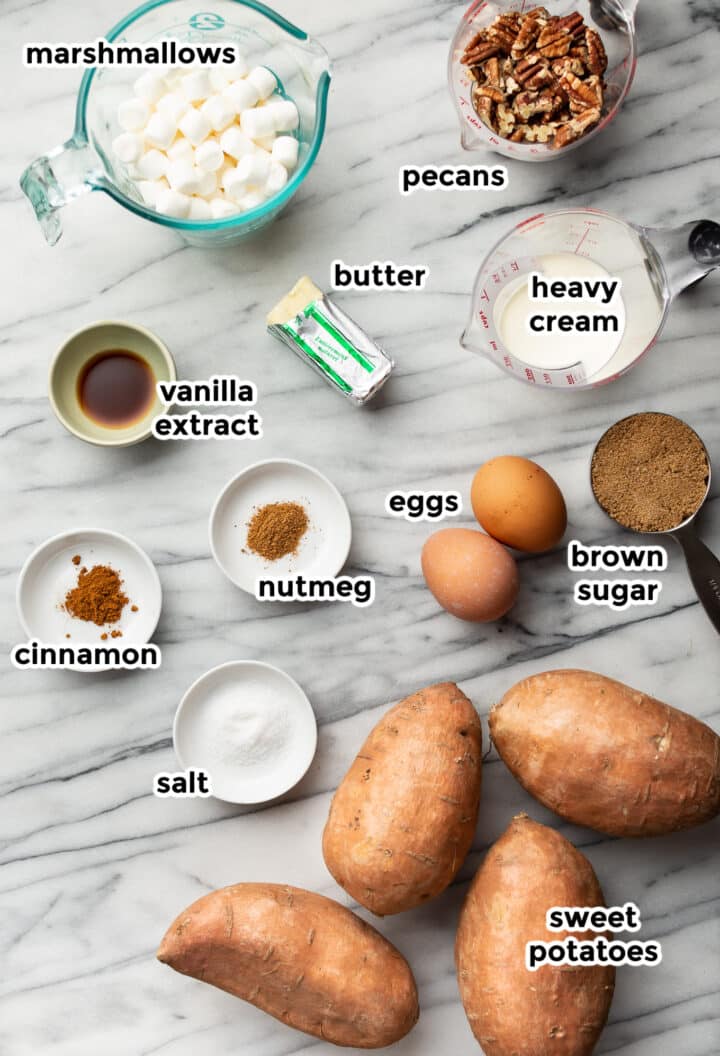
{"points": [[207, 143]]}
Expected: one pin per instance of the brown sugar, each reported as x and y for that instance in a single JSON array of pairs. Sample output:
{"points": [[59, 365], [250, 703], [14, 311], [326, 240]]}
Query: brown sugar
{"points": [[650, 472], [277, 529]]}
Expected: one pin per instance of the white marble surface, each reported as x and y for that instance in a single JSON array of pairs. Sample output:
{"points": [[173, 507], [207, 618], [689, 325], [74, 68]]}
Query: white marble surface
{"points": [[93, 867]]}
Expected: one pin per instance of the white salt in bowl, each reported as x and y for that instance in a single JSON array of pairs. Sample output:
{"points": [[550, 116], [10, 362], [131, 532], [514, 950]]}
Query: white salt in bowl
{"points": [[250, 726]]}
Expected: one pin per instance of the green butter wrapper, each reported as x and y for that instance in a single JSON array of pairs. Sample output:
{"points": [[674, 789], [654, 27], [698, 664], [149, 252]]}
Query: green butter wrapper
{"points": [[334, 345]]}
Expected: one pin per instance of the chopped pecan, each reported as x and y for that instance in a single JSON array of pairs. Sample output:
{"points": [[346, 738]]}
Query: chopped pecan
{"points": [[529, 32], [568, 64], [540, 133], [505, 120], [474, 44], [490, 92], [582, 94], [530, 104], [597, 59], [481, 53], [485, 109], [528, 67], [554, 41], [576, 127], [493, 75]]}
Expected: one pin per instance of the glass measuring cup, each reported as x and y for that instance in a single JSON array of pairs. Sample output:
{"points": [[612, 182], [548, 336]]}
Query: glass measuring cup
{"points": [[654, 264], [702, 564], [85, 162], [614, 20]]}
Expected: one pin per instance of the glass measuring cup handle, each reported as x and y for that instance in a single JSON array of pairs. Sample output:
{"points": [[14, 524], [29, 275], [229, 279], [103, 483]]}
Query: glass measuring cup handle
{"points": [[704, 569], [56, 178], [613, 14], [687, 253]]}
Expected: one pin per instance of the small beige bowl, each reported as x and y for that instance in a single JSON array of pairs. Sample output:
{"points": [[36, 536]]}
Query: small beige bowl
{"points": [[81, 347]]}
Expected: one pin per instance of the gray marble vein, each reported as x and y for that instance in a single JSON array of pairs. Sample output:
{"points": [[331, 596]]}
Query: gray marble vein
{"points": [[92, 867]]}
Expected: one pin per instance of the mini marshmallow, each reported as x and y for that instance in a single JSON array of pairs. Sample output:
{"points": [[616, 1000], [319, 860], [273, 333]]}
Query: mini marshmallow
{"points": [[171, 75], [172, 203], [285, 150], [220, 208], [265, 143], [195, 126], [222, 174], [207, 183], [150, 87], [220, 77], [254, 169], [181, 150], [235, 185], [150, 191], [219, 111], [196, 86], [209, 156], [184, 177], [234, 143], [258, 122], [252, 200], [128, 147], [241, 95], [199, 210], [236, 69], [133, 114], [173, 105], [152, 165], [277, 178], [160, 131], [285, 114], [262, 79]]}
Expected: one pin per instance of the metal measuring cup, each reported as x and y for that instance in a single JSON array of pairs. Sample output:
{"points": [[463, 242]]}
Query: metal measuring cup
{"points": [[703, 565]]}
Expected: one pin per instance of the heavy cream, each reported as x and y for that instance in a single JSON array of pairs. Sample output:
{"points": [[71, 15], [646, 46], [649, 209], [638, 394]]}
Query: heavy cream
{"points": [[569, 312]]}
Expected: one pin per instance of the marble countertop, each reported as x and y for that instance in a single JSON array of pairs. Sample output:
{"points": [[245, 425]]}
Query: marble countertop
{"points": [[93, 868]]}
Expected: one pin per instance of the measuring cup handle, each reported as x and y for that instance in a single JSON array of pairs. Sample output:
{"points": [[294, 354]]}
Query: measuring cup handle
{"points": [[688, 253], [704, 569], [55, 179], [613, 14]]}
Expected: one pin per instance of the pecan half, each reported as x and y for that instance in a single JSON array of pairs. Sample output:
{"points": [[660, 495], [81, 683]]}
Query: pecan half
{"points": [[597, 59], [529, 33], [576, 127]]}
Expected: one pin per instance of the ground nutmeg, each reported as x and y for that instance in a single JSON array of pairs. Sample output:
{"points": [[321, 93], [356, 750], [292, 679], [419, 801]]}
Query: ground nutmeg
{"points": [[276, 529], [650, 472]]}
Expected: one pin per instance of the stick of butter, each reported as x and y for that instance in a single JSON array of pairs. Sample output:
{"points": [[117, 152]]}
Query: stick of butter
{"points": [[330, 341]]}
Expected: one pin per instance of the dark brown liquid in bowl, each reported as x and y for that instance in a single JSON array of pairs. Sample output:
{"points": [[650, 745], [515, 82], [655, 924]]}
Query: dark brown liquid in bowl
{"points": [[116, 388]]}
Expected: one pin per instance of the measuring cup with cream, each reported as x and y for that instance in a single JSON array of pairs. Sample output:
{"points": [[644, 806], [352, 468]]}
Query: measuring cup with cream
{"points": [[574, 298]]}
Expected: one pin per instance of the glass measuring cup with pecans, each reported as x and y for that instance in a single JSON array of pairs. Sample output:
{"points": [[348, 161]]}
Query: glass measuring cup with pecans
{"points": [[534, 82]]}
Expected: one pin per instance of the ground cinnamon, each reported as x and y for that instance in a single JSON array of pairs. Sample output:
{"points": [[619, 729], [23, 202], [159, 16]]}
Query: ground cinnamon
{"points": [[276, 530], [98, 597], [650, 472]]}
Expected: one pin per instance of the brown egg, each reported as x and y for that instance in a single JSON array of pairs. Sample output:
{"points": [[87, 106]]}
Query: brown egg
{"points": [[519, 504], [471, 575]]}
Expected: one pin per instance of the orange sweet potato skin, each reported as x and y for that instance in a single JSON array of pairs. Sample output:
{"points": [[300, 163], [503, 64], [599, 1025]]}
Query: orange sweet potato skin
{"points": [[606, 756], [554, 1011], [403, 819], [303, 958]]}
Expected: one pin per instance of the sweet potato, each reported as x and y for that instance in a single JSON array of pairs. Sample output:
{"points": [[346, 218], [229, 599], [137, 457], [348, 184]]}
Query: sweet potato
{"points": [[303, 958], [554, 1011], [403, 818], [603, 755]]}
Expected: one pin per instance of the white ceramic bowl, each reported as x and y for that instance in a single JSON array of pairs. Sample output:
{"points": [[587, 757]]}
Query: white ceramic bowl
{"points": [[325, 546], [49, 573], [197, 729]]}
